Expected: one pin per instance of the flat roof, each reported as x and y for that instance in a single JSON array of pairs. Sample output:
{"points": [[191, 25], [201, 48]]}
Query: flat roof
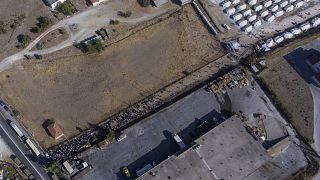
{"points": [[226, 152]]}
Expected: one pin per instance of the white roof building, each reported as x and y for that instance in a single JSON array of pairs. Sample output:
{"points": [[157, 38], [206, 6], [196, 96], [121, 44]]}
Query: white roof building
{"points": [[236, 16], [252, 18], [288, 8], [287, 35], [246, 12], [298, 4], [270, 18], [242, 23], [264, 12], [274, 8], [257, 23], [279, 39], [305, 26], [315, 22], [283, 3], [267, 3], [257, 8], [230, 11], [278, 13], [241, 7], [252, 2], [247, 28], [295, 31]]}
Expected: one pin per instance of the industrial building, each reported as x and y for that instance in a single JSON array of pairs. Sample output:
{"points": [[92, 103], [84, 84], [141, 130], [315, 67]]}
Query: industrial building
{"points": [[230, 151]]}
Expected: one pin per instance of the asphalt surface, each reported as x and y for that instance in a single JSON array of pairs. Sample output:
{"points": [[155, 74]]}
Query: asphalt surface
{"points": [[19, 148]]}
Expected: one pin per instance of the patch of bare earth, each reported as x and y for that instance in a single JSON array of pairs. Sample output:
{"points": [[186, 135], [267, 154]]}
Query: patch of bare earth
{"points": [[293, 92], [84, 90]]}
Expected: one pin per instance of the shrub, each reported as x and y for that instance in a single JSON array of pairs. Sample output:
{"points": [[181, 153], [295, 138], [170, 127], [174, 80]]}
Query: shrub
{"points": [[2, 28], [54, 168], [93, 47], [144, 3], [114, 22], [67, 8], [43, 23], [124, 14], [24, 40], [110, 136]]}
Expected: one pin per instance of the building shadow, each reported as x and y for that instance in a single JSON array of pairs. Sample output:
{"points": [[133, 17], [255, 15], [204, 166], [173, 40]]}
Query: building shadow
{"points": [[298, 60]]}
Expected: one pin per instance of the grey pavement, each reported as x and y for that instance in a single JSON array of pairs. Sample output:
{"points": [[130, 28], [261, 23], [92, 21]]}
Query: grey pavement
{"points": [[19, 149]]}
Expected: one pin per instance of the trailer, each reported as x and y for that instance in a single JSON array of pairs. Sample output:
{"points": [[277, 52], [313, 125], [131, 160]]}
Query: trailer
{"points": [[145, 169], [230, 11], [269, 18], [16, 129], [33, 147], [257, 23], [274, 8], [242, 23], [264, 12], [296, 31], [246, 12], [257, 8], [287, 35], [267, 3], [279, 39], [225, 4], [178, 141], [288, 8], [283, 4], [252, 2], [252, 18], [234, 2], [241, 7], [236, 17], [298, 4], [315, 22], [305, 26], [247, 28], [278, 13]]}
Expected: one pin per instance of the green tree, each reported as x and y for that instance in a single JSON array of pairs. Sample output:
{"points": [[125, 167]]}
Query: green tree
{"points": [[25, 40], [67, 8], [144, 3], [2, 28], [93, 47]]}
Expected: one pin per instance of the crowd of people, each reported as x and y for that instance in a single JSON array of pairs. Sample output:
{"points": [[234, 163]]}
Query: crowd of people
{"points": [[75, 145]]}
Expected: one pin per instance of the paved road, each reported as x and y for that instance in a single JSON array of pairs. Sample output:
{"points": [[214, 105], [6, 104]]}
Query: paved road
{"points": [[19, 149]]}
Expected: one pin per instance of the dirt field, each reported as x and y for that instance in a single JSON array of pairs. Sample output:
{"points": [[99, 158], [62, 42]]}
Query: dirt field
{"points": [[81, 91], [9, 11], [293, 92]]}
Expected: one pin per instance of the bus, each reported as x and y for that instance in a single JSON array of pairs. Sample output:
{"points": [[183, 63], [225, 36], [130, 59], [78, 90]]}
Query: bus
{"points": [[33, 147]]}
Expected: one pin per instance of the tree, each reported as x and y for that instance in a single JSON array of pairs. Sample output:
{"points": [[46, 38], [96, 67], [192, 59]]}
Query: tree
{"points": [[54, 168], [93, 47], [144, 3], [124, 14], [24, 40], [43, 23], [67, 8], [2, 28]]}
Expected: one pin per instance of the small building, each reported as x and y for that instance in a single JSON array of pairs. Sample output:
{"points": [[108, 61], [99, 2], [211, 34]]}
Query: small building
{"points": [[264, 12], [246, 12], [279, 39], [283, 3], [230, 11], [54, 3], [305, 26], [278, 13], [247, 28], [267, 3], [314, 63], [251, 2], [274, 8], [270, 18], [298, 4], [236, 17], [241, 7], [288, 8], [257, 23], [254, 69], [316, 79], [295, 31], [225, 4], [252, 18], [315, 22], [242, 23], [234, 2], [257, 8], [287, 35], [159, 3], [55, 130]]}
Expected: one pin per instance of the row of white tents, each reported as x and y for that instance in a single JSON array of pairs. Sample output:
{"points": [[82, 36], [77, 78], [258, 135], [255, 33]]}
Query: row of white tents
{"points": [[245, 15], [271, 42]]}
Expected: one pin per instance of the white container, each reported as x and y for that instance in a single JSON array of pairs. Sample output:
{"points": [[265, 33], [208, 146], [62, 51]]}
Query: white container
{"points": [[236, 17], [270, 18], [288, 8], [225, 4], [246, 12], [247, 28], [267, 3], [252, 2], [242, 23], [274, 8], [241, 7], [278, 13], [279, 39], [264, 12], [257, 23], [287, 35], [315, 22], [283, 4], [305, 26], [295, 31], [257, 8], [230, 11], [298, 4], [234, 2], [252, 18]]}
